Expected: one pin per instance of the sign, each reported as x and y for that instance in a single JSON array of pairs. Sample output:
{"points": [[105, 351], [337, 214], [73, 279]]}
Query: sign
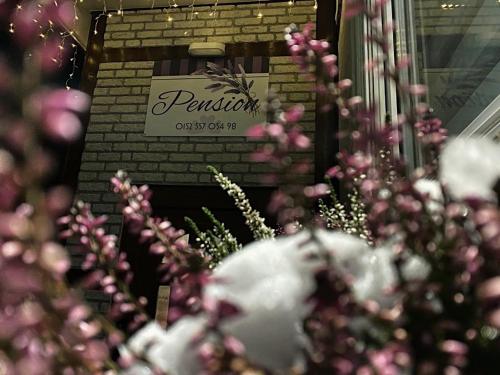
{"points": [[187, 106]]}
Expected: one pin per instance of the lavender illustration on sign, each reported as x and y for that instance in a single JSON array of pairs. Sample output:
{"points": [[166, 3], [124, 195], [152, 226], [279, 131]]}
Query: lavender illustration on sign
{"points": [[226, 78]]}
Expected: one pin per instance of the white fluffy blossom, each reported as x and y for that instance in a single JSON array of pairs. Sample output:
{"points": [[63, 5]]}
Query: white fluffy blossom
{"points": [[372, 272], [170, 350], [470, 167], [270, 281], [433, 190]]}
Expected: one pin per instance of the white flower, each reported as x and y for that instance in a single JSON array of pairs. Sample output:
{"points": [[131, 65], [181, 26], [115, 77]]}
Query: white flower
{"points": [[470, 167], [269, 281], [372, 272], [415, 269], [137, 369], [171, 350], [433, 190]]}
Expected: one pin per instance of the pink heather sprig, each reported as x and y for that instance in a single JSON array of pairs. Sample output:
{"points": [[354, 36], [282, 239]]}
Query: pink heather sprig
{"points": [[109, 269], [137, 212], [314, 56], [399, 213], [285, 137], [217, 352], [45, 327], [183, 267]]}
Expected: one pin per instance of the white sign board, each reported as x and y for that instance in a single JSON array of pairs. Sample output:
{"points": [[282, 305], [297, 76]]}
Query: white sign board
{"points": [[183, 106]]}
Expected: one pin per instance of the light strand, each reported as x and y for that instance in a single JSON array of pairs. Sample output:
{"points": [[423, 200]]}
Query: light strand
{"points": [[214, 14], [74, 68], [192, 10], [104, 13], [120, 9]]}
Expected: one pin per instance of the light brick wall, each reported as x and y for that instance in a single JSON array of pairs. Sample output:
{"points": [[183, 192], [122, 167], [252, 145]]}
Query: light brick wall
{"points": [[232, 24], [115, 136]]}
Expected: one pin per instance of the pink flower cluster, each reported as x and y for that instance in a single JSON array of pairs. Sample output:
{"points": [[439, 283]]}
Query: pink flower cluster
{"points": [[182, 267], [284, 137], [415, 221], [109, 269]]}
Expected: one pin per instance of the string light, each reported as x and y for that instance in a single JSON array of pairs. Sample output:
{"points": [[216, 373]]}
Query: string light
{"points": [[214, 14], [75, 12], [259, 12], [102, 14], [315, 5], [192, 12], [75, 67], [120, 9], [11, 25], [449, 6], [48, 27]]}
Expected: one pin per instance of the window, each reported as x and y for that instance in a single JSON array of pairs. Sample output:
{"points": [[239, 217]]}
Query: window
{"points": [[458, 58]]}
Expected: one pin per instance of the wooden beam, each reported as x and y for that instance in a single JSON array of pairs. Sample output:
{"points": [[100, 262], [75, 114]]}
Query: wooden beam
{"points": [[73, 158], [327, 124], [179, 52]]}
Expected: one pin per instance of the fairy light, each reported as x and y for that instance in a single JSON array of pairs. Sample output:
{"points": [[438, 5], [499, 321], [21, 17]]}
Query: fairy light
{"points": [[120, 9], [48, 27], [102, 14], [75, 12], [192, 11], [214, 14], [12, 30], [259, 11], [450, 6], [75, 67], [315, 5]]}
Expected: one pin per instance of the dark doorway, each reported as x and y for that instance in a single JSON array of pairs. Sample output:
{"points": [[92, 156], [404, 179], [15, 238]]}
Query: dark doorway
{"points": [[174, 203]]}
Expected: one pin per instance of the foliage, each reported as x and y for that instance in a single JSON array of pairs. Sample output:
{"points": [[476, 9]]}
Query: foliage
{"points": [[217, 243], [253, 218], [350, 219]]}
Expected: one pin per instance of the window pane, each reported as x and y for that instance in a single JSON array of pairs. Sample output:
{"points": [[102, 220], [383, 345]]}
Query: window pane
{"points": [[458, 46]]}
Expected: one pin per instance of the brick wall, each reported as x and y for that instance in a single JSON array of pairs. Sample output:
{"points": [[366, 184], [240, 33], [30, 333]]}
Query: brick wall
{"points": [[115, 136]]}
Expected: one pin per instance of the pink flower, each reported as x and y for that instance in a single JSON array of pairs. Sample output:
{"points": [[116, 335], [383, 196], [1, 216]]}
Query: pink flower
{"points": [[490, 289], [62, 125], [353, 8], [54, 258], [256, 131], [294, 114]]}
